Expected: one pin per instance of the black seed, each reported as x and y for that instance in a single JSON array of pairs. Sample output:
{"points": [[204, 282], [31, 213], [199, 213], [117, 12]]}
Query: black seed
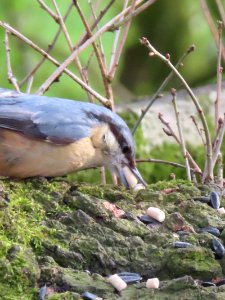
{"points": [[147, 219], [214, 200], [182, 245], [183, 233], [202, 199], [208, 283], [218, 249], [130, 277], [89, 296], [42, 292], [211, 230]]}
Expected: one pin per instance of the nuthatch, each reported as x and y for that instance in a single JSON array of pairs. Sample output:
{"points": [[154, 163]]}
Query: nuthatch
{"points": [[43, 136]]}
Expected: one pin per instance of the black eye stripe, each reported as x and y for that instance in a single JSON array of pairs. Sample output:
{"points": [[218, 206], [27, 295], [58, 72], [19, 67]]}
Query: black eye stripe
{"points": [[126, 149]]}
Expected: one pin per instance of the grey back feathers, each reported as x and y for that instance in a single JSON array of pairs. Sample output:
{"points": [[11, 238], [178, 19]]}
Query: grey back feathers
{"points": [[60, 121]]}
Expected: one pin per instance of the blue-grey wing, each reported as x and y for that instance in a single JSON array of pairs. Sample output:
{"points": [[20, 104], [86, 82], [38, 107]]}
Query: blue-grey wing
{"points": [[56, 120]]}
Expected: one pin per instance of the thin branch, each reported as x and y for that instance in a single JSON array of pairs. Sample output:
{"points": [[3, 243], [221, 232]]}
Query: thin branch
{"points": [[169, 131], [160, 161], [97, 53], [118, 47], [69, 42], [218, 143], [211, 24], [13, 31], [48, 9], [12, 79], [50, 47], [221, 10], [78, 50], [162, 87], [182, 143], [29, 85], [219, 76], [136, 12], [209, 169], [96, 22], [101, 48], [198, 129]]}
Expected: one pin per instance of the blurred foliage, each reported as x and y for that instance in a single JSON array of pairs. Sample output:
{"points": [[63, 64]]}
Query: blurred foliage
{"points": [[171, 26]]}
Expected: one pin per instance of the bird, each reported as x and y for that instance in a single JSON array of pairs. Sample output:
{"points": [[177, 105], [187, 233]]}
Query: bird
{"points": [[47, 137]]}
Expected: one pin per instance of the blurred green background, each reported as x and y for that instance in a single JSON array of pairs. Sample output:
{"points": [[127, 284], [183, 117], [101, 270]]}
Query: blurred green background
{"points": [[171, 26]]}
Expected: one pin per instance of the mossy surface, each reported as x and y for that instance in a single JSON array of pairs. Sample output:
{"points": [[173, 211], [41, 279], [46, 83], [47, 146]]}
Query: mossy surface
{"points": [[60, 234]]}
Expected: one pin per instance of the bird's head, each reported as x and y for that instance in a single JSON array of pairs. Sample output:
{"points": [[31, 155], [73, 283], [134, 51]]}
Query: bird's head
{"points": [[116, 142]]}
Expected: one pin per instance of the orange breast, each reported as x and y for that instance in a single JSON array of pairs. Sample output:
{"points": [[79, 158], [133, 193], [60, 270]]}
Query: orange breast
{"points": [[22, 157]]}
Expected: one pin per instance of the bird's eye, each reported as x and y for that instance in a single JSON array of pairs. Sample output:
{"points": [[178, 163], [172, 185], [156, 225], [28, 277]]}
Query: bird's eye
{"points": [[125, 149]]}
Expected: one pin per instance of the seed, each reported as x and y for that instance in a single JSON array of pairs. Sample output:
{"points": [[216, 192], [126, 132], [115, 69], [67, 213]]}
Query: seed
{"points": [[218, 249], [208, 283], [146, 219], [90, 296], [182, 245], [130, 277], [156, 213], [42, 292], [152, 283], [211, 230], [214, 200], [118, 283]]}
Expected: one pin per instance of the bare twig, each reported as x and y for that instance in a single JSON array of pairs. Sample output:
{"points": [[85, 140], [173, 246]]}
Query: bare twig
{"points": [[96, 22], [160, 161], [101, 48], [48, 9], [221, 10], [50, 47], [69, 42], [12, 79], [218, 143], [102, 175], [79, 49], [103, 100], [169, 131], [136, 12], [98, 55], [198, 129], [162, 86], [208, 165], [219, 179], [29, 84], [117, 48], [182, 143], [211, 24], [219, 77]]}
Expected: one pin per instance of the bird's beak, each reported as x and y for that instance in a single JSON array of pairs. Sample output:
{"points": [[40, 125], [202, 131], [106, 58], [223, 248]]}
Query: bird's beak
{"points": [[130, 176]]}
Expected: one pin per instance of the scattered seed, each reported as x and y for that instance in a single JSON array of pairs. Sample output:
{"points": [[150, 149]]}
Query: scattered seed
{"points": [[42, 292], [146, 219], [211, 230], [207, 283], [130, 277], [221, 210], [183, 233], [90, 296], [182, 245], [118, 283], [156, 213], [218, 249], [152, 283], [203, 199], [214, 200]]}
